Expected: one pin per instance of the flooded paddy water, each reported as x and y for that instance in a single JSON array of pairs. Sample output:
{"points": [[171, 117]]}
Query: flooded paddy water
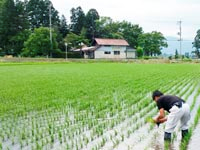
{"points": [[154, 139], [114, 117]]}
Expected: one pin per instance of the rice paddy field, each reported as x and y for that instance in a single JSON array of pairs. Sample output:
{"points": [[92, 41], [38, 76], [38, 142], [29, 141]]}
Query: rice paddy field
{"points": [[92, 106]]}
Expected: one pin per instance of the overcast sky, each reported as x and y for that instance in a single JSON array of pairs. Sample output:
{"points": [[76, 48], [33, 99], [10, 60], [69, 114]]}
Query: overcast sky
{"points": [[151, 15]]}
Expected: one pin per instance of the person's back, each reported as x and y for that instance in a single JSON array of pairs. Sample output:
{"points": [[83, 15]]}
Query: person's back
{"points": [[167, 101]]}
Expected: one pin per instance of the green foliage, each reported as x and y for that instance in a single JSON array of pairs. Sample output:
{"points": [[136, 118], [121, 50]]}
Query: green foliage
{"points": [[18, 41], [22, 16], [38, 13], [107, 28], [63, 28], [69, 55], [139, 51], [42, 103], [77, 20], [176, 54], [131, 33], [8, 25], [38, 43], [196, 44], [152, 43], [75, 40], [18, 17], [90, 24]]}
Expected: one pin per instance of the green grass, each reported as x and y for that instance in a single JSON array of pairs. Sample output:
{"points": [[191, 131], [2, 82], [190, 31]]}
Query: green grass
{"points": [[43, 96], [33, 87]]}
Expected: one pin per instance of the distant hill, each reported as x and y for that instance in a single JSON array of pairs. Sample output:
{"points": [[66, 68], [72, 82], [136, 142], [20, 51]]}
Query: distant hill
{"points": [[174, 44]]}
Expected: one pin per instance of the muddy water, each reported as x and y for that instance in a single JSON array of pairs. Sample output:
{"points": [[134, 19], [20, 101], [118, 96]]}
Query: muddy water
{"points": [[194, 142], [157, 142]]}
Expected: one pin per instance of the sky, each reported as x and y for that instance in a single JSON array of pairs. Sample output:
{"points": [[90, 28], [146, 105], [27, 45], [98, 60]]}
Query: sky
{"points": [[151, 15]]}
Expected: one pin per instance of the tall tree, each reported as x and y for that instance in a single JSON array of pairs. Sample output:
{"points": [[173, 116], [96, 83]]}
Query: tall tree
{"points": [[22, 27], [77, 20], [22, 17], [18, 41], [176, 54], [63, 26], [131, 33], [152, 43], [38, 12], [91, 18], [76, 41], [8, 25], [107, 28], [196, 44], [62, 32]]}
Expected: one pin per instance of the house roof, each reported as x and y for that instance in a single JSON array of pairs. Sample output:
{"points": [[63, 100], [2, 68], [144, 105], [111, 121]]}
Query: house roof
{"points": [[116, 42], [92, 48]]}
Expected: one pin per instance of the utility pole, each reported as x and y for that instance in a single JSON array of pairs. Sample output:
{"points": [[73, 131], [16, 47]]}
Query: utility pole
{"points": [[180, 36], [66, 51], [50, 31]]}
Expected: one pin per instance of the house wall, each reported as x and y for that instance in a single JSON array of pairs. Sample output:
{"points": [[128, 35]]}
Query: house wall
{"points": [[131, 54], [100, 52]]}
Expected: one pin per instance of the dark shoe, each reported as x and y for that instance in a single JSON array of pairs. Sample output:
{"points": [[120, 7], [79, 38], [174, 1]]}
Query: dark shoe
{"points": [[184, 133], [167, 136]]}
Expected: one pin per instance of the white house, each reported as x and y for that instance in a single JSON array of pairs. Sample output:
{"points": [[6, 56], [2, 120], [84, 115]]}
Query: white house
{"points": [[109, 49]]}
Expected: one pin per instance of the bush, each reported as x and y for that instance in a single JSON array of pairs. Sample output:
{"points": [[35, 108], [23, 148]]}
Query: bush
{"points": [[170, 57], [187, 59], [69, 55], [146, 57]]}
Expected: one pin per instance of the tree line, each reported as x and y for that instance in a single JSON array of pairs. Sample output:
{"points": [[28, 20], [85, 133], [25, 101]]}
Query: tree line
{"points": [[24, 30]]}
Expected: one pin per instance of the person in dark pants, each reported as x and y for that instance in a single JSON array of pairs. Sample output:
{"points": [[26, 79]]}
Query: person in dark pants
{"points": [[178, 111]]}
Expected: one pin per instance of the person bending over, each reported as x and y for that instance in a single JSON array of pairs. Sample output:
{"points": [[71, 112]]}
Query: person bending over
{"points": [[178, 111]]}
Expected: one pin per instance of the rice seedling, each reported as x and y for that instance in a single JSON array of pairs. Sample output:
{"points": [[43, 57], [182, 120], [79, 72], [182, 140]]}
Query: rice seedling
{"points": [[95, 104]]}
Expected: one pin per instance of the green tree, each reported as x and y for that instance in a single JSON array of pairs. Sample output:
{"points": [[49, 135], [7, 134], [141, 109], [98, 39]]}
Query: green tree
{"points": [[176, 54], [38, 43], [63, 28], [8, 25], [18, 41], [22, 17], [131, 33], [107, 28], [75, 40], [77, 20], [139, 51], [38, 14], [22, 28], [91, 18], [196, 44], [152, 43]]}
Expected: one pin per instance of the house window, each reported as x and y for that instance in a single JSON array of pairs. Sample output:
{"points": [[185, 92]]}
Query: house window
{"points": [[116, 52], [107, 52]]}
